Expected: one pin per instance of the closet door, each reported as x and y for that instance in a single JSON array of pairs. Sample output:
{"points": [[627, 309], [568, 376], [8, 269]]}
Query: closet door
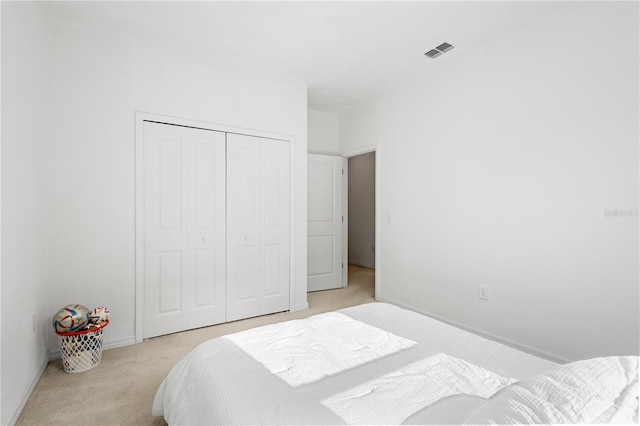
{"points": [[257, 226], [184, 228]]}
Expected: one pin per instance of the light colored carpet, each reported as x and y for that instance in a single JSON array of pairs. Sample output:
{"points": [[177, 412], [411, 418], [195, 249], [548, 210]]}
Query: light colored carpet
{"points": [[120, 390]]}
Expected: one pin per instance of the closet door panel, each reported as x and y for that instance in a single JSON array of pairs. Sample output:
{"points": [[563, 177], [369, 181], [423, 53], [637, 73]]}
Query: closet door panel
{"points": [[275, 225], [165, 250], [244, 278], [206, 227], [184, 228], [257, 226]]}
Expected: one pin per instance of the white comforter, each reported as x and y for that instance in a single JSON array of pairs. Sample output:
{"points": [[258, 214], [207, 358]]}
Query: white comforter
{"points": [[221, 383], [377, 363]]}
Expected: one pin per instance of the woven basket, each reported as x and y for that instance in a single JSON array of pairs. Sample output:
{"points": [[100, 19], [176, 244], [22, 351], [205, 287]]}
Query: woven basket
{"points": [[81, 350]]}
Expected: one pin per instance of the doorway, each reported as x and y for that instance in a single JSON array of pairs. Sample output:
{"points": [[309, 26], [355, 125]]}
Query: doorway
{"points": [[362, 218]]}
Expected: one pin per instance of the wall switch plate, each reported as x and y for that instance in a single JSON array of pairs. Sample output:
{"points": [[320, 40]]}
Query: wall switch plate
{"points": [[483, 292]]}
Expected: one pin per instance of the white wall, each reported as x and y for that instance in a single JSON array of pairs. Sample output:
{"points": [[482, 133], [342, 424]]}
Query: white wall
{"points": [[362, 203], [322, 133], [358, 130], [24, 278], [498, 172], [98, 80]]}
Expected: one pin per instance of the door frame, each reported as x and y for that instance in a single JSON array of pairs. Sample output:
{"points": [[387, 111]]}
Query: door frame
{"points": [[345, 221], [140, 118]]}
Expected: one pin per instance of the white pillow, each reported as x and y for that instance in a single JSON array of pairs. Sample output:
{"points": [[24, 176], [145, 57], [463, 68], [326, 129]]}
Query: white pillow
{"points": [[598, 390]]}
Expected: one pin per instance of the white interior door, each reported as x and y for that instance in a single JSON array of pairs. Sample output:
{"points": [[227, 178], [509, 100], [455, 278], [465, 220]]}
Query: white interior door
{"points": [[325, 222], [184, 228], [257, 226]]}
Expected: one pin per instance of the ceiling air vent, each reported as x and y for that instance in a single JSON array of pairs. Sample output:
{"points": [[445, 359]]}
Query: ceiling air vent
{"points": [[444, 47], [434, 53]]}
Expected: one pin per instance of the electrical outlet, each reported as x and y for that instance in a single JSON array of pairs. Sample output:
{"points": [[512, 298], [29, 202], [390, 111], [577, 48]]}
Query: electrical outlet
{"points": [[483, 292], [34, 322]]}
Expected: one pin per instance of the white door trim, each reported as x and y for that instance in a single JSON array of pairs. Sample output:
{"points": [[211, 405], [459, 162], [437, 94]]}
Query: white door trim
{"points": [[345, 221], [360, 150], [140, 118]]}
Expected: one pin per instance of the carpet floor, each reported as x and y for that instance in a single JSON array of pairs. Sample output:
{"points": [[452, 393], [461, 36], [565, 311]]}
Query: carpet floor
{"points": [[120, 390]]}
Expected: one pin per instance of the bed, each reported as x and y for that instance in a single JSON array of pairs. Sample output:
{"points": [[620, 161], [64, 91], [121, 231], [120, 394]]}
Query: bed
{"points": [[380, 364]]}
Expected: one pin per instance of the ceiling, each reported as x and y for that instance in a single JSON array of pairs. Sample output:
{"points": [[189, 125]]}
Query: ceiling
{"points": [[348, 52]]}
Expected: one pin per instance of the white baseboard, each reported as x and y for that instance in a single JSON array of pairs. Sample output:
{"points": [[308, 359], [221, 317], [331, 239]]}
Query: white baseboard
{"points": [[26, 394], [107, 344], [118, 343], [508, 342]]}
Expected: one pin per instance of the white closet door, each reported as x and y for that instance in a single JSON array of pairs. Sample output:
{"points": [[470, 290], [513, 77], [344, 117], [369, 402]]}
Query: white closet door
{"points": [[257, 226], [184, 228]]}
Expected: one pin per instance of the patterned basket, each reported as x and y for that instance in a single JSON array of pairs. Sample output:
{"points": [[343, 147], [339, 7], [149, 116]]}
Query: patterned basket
{"points": [[81, 350]]}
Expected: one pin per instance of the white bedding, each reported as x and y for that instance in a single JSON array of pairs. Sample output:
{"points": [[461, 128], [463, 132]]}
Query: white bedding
{"points": [[391, 399], [304, 351], [598, 390], [219, 383]]}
